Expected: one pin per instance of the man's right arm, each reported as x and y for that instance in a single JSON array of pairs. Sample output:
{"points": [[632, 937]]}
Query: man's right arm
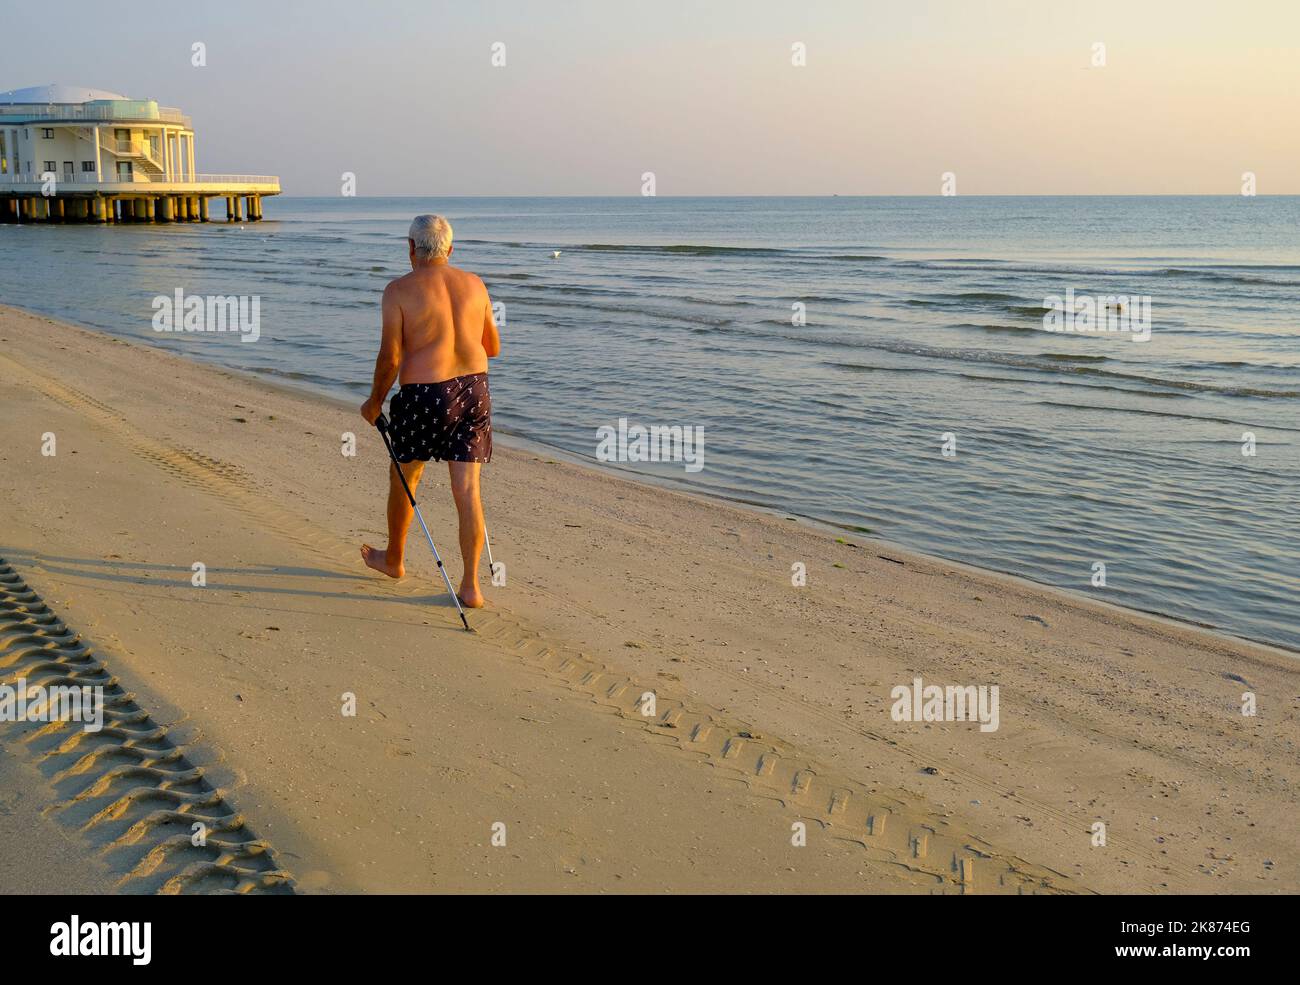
{"points": [[389, 361]]}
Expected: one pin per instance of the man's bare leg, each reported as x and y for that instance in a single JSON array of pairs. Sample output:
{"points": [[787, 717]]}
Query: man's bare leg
{"points": [[464, 490], [400, 515]]}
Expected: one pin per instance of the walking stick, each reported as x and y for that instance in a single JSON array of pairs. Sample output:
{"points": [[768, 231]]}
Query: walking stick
{"points": [[381, 423], [492, 568]]}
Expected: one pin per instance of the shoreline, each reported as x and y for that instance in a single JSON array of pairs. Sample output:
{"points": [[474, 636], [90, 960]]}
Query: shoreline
{"points": [[521, 442], [773, 702]]}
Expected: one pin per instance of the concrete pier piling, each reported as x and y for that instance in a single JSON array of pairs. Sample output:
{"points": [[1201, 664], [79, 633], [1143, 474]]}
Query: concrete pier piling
{"points": [[105, 207], [135, 205], [132, 208]]}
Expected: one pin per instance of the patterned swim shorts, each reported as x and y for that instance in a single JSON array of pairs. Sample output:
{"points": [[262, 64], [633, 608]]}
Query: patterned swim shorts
{"points": [[450, 421]]}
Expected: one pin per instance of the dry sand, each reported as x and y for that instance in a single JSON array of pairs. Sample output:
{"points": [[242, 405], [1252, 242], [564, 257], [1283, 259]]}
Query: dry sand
{"points": [[772, 703]]}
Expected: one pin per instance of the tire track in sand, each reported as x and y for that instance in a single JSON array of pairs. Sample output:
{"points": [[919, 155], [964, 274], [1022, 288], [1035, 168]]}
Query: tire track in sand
{"points": [[192, 468], [891, 827], [1065, 820], [132, 792]]}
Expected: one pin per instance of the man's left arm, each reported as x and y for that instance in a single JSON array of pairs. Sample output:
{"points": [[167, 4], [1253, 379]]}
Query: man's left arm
{"points": [[389, 361], [491, 337]]}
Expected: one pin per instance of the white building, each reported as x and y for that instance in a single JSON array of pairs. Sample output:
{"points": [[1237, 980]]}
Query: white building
{"points": [[74, 154]]}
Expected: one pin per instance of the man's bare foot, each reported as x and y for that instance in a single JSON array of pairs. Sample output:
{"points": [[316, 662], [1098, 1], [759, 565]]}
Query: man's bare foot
{"points": [[471, 598], [377, 559]]}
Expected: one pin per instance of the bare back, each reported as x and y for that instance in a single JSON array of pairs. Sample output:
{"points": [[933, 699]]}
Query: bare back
{"points": [[445, 318]]}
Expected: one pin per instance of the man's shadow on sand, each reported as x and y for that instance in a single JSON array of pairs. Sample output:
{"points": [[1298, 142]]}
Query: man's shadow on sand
{"points": [[126, 576]]}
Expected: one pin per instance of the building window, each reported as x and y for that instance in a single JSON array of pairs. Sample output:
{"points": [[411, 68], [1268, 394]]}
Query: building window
{"points": [[47, 133], [50, 166], [87, 165], [68, 168]]}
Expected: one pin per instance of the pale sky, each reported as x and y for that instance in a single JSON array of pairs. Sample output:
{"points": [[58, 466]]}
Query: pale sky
{"points": [[702, 92]]}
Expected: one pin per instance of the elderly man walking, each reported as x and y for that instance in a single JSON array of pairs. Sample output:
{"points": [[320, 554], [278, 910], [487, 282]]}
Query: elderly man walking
{"points": [[438, 334]]}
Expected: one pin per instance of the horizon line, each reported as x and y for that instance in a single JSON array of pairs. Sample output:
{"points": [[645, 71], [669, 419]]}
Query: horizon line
{"points": [[834, 195]]}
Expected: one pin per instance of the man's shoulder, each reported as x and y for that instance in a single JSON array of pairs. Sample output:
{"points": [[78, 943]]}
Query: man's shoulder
{"points": [[398, 284], [466, 277]]}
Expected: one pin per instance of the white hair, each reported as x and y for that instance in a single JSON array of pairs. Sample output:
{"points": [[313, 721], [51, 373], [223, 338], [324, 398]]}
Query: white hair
{"points": [[431, 235]]}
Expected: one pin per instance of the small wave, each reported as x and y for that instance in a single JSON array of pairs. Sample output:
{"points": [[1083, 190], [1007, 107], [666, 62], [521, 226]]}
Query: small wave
{"points": [[957, 299], [1235, 364], [1016, 329], [994, 301], [331, 303], [1165, 413], [866, 368], [1189, 385], [684, 249], [1068, 381], [289, 374], [720, 302], [1231, 278]]}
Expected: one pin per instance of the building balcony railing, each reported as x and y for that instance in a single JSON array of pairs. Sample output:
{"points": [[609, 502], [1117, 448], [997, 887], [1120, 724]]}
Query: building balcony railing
{"points": [[116, 110], [85, 178]]}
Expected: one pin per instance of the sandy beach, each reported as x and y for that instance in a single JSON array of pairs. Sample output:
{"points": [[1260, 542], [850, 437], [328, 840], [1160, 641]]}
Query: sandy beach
{"points": [[771, 703]]}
